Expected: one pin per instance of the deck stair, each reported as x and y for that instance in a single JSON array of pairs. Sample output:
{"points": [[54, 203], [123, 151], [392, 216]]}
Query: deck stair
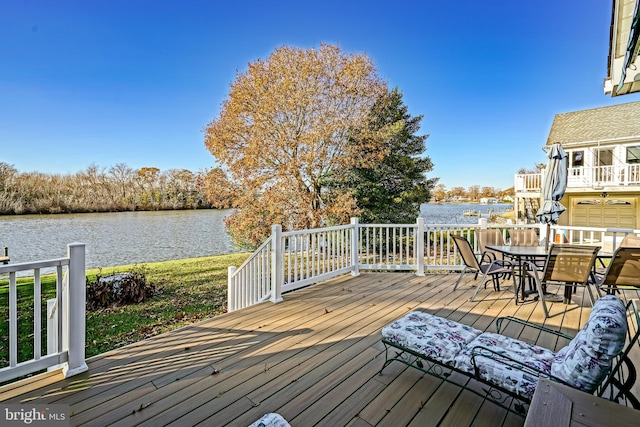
{"points": [[531, 206]]}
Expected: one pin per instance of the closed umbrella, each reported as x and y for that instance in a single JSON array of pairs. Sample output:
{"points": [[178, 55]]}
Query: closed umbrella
{"points": [[553, 188]]}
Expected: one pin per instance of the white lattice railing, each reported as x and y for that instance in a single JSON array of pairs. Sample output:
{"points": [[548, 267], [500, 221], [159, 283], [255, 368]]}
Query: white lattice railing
{"points": [[65, 316], [291, 260]]}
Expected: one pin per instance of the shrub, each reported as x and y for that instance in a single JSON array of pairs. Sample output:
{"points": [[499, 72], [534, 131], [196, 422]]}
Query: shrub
{"points": [[119, 289]]}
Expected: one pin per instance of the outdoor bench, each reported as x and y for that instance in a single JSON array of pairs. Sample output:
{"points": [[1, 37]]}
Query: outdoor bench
{"points": [[595, 360]]}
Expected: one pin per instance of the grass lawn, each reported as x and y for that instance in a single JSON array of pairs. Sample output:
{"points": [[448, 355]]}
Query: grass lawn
{"points": [[190, 290]]}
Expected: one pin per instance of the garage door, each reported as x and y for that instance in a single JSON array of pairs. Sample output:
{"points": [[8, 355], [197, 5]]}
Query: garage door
{"points": [[610, 212]]}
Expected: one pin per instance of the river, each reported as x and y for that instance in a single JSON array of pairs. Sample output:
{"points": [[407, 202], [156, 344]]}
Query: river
{"points": [[137, 237]]}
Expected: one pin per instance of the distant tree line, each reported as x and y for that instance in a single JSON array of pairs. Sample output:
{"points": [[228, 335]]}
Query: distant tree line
{"points": [[474, 193], [97, 189]]}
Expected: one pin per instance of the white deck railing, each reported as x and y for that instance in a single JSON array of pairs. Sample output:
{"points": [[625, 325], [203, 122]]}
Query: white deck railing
{"points": [[528, 183], [65, 326], [291, 260], [584, 177]]}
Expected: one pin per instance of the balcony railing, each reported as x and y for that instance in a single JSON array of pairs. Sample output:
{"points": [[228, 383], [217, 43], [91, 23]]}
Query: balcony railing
{"points": [[584, 177], [528, 182]]}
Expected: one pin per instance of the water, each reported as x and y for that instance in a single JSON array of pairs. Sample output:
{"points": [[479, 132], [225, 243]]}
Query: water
{"points": [[454, 213], [137, 237], [117, 238]]}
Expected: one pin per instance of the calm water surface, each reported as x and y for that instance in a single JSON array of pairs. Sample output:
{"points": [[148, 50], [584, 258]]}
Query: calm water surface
{"points": [[137, 237], [454, 213], [117, 238]]}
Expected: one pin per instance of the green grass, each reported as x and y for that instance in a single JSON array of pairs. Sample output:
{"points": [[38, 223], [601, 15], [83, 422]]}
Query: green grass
{"points": [[191, 290]]}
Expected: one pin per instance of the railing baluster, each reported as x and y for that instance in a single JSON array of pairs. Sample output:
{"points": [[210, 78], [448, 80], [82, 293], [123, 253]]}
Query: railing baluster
{"points": [[13, 320], [37, 315]]}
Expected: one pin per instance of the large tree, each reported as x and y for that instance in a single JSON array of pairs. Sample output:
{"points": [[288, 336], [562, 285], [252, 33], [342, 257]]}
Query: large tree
{"points": [[392, 190], [288, 124]]}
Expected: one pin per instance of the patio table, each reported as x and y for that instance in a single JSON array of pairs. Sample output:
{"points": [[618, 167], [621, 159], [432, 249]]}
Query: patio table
{"points": [[527, 253], [521, 254]]}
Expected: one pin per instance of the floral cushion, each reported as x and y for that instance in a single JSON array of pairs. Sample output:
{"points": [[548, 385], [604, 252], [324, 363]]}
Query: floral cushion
{"points": [[435, 337], [586, 360], [502, 372], [271, 420]]}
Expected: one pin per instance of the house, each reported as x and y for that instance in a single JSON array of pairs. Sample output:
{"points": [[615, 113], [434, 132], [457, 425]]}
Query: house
{"points": [[603, 185], [488, 200], [623, 65]]}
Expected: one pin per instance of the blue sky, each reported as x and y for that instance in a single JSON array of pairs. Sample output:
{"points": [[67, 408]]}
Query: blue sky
{"points": [[135, 82]]}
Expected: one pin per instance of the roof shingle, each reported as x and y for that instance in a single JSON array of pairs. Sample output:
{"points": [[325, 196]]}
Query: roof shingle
{"points": [[597, 124]]}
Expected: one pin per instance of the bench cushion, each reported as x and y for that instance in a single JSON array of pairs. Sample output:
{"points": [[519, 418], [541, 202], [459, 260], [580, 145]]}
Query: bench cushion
{"points": [[585, 361], [502, 373], [435, 337], [271, 420]]}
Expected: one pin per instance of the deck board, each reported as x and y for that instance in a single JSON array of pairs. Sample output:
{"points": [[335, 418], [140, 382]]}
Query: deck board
{"points": [[314, 358]]}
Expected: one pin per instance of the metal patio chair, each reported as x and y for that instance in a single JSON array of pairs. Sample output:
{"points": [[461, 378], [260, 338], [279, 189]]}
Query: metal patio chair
{"points": [[569, 266], [494, 269], [623, 272], [489, 237], [524, 237]]}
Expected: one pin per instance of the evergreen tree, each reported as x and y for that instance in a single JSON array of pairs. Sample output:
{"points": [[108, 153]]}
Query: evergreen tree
{"points": [[392, 190]]}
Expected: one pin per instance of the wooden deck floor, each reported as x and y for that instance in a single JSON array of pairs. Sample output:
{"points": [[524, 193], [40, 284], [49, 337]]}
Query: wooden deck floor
{"points": [[313, 358]]}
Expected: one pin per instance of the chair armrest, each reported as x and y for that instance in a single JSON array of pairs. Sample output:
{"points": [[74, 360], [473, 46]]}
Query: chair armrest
{"points": [[490, 257], [499, 321], [516, 365]]}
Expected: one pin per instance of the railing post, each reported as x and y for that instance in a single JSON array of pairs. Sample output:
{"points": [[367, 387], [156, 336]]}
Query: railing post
{"points": [[419, 251], [52, 326], [231, 289], [75, 310], [355, 245], [482, 223], [277, 264]]}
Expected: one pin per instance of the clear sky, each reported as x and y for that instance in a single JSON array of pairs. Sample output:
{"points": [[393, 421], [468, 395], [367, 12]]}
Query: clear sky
{"points": [[124, 81]]}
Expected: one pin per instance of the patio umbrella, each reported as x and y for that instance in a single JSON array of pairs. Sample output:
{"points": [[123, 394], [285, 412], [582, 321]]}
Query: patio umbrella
{"points": [[553, 188]]}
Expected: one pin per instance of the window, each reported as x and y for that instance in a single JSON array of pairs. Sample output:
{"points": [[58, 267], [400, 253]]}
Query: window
{"points": [[605, 157], [577, 159], [633, 154]]}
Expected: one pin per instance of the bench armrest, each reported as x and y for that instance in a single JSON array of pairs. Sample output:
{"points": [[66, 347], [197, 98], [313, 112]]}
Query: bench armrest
{"points": [[516, 365], [499, 321]]}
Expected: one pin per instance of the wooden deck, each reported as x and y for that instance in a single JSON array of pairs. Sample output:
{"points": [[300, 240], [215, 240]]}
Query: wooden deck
{"points": [[313, 358]]}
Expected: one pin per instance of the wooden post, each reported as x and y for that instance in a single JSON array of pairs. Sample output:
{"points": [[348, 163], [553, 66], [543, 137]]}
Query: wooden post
{"points": [[419, 250], [277, 264], [52, 326], [75, 310], [231, 289], [355, 244]]}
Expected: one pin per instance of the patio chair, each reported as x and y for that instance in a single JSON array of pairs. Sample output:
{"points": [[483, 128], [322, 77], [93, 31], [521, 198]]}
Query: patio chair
{"points": [[595, 361], [630, 241], [493, 269], [623, 272], [489, 237], [524, 237], [569, 266]]}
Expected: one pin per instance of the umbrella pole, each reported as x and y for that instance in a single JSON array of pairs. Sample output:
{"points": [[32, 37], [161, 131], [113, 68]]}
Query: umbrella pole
{"points": [[546, 241]]}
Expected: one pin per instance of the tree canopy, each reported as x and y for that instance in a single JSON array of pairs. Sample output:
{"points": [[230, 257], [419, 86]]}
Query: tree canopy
{"points": [[392, 190], [287, 125]]}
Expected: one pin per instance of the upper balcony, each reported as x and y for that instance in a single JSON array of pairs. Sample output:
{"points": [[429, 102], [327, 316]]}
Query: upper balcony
{"points": [[584, 178]]}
